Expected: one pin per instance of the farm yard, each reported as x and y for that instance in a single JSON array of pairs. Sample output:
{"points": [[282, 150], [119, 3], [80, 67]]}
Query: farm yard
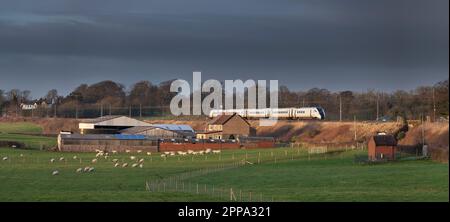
{"points": [[279, 174]]}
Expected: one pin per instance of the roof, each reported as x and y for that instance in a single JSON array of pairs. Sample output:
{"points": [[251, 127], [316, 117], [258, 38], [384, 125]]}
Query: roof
{"points": [[100, 119], [222, 119], [171, 127], [174, 127], [208, 132], [385, 140]]}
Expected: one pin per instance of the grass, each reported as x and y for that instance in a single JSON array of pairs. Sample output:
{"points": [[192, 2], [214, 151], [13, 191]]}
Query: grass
{"points": [[31, 142], [20, 127], [315, 178]]}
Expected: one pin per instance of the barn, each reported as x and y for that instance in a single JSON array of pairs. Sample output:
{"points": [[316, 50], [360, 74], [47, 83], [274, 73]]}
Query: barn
{"points": [[109, 124], [163, 131], [382, 147], [106, 142]]}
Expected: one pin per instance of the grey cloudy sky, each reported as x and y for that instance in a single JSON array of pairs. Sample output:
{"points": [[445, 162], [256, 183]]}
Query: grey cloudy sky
{"points": [[335, 44]]}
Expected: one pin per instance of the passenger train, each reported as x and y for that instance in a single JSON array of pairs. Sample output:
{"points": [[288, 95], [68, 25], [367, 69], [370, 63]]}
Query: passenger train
{"points": [[280, 113]]}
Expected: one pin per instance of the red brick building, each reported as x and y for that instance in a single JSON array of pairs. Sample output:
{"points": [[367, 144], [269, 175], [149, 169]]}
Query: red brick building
{"points": [[382, 147]]}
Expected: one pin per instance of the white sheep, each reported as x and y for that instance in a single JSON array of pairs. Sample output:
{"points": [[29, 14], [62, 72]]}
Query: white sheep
{"points": [[141, 165], [139, 151], [94, 161], [216, 151], [190, 151], [125, 165], [127, 151], [163, 155], [141, 160], [134, 165], [116, 165], [114, 152], [86, 169], [115, 160], [52, 160], [149, 153], [91, 169], [75, 157], [21, 155], [79, 170], [98, 154], [172, 153], [132, 157], [167, 153], [5, 158], [55, 172], [208, 151], [61, 159]]}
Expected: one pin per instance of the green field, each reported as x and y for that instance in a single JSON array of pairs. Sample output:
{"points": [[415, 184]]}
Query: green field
{"points": [[317, 178], [20, 127], [282, 174]]}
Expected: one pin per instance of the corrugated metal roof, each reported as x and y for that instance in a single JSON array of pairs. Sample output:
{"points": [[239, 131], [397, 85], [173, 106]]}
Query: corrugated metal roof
{"points": [[100, 119], [174, 127]]}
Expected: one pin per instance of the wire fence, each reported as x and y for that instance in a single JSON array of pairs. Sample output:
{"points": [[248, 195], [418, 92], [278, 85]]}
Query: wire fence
{"points": [[182, 182]]}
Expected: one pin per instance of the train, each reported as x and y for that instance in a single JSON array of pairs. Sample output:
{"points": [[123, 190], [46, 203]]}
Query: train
{"points": [[317, 113]]}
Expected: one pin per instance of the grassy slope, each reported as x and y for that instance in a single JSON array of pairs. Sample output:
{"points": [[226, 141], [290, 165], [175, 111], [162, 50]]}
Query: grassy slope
{"points": [[337, 178], [20, 127]]}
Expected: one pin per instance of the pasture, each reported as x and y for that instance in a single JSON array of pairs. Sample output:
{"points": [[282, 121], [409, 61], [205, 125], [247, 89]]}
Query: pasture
{"points": [[294, 176], [282, 174]]}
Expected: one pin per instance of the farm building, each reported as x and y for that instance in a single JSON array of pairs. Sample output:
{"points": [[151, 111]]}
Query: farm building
{"points": [[382, 147], [109, 124], [161, 131], [226, 127], [106, 142]]}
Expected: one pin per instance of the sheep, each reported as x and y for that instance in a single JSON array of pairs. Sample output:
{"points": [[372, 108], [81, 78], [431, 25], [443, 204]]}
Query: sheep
{"points": [[52, 160], [79, 170], [141, 165], [139, 151], [167, 153], [115, 160], [55, 172], [172, 153], [125, 165], [21, 155], [216, 151], [141, 160], [91, 169], [97, 150], [61, 159], [127, 151], [134, 165], [201, 152], [116, 165], [179, 152], [5, 158], [190, 151], [149, 153], [194, 153], [114, 152], [75, 157], [163, 155], [208, 151], [86, 169], [106, 157], [132, 157], [94, 161], [99, 154]]}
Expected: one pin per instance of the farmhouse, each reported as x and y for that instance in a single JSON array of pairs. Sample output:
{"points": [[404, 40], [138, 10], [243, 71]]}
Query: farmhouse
{"points": [[226, 127], [109, 124], [161, 131], [382, 147]]}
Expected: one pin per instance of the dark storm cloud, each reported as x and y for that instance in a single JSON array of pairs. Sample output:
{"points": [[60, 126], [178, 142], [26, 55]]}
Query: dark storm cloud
{"points": [[334, 44]]}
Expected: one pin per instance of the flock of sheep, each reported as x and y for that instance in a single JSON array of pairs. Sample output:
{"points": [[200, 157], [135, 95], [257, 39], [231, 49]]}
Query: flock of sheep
{"points": [[135, 162], [190, 152]]}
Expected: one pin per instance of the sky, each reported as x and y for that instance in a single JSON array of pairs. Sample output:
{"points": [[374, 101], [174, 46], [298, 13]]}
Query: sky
{"points": [[354, 45]]}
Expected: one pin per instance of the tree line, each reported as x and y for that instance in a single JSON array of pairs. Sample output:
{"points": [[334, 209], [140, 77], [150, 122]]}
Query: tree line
{"points": [[147, 99]]}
